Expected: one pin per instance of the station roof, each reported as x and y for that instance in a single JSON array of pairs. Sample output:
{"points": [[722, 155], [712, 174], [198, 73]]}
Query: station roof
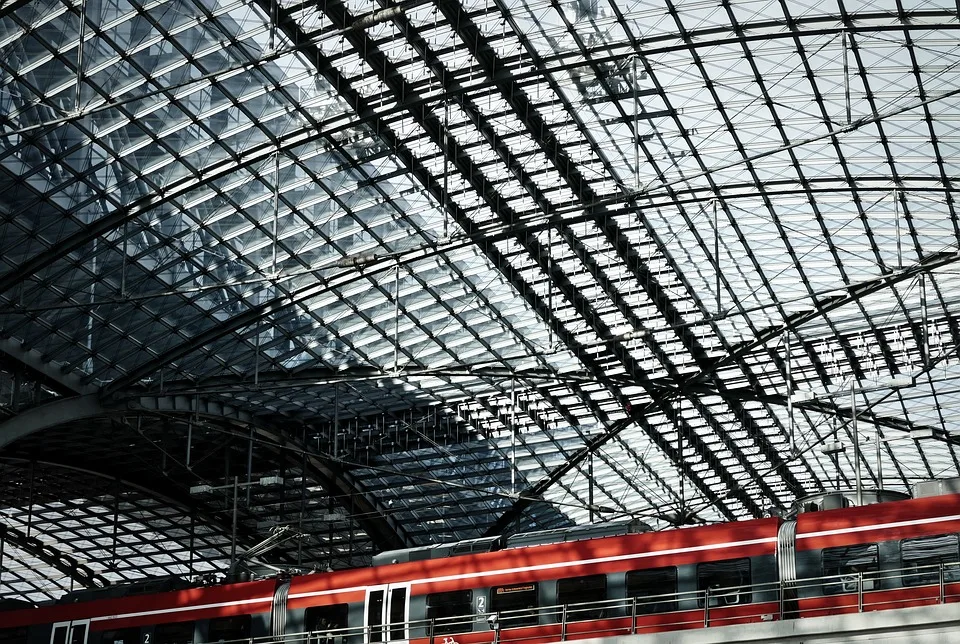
{"points": [[287, 284]]}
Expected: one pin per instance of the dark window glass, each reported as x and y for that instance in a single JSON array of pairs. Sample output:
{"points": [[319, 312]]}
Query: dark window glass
{"points": [[398, 613], [324, 622], [122, 636], [921, 559], [516, 604], [846, 564], [59, 635], [655, 589], [13, 635], [176, 633], [375, 615], [78, 634], [582, 594], [728, 582], [451, 612], [227, 629]]}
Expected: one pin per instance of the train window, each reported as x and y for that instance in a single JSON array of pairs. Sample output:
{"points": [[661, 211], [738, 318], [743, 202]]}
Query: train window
{"points": [[655, 589], [451, 612], [319, 621], [375, 615], [727, 581], [121, 636], [175, 633], [78, 633], [516, 604], [13, 635], [398, 613], [921, 559], [847, 562], [227, 629], [579, 592]]}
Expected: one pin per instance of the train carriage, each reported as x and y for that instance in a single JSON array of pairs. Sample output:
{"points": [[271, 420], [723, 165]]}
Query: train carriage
{"points": [[591, 581]]}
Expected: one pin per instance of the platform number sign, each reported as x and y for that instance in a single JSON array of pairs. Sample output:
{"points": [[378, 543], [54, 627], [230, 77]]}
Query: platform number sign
{"points": [[481, 604]]}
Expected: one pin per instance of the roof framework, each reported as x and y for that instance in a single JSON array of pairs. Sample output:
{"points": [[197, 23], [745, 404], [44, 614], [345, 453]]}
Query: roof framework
{"points": [[355, 276]]}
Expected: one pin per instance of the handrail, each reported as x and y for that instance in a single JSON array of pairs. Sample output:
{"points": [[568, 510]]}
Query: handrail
{"points": [[631, 615]]}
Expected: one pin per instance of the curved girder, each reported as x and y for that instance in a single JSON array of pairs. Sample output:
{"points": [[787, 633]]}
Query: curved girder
{"points": [[48, 415], [378, 524]]}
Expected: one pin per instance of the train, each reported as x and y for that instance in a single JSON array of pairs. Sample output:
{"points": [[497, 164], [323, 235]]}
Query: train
{"points": [[590, 581]]}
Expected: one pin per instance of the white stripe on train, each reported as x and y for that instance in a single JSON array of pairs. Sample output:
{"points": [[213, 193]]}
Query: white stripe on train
{"points": [[879, 526], [564, 564]]}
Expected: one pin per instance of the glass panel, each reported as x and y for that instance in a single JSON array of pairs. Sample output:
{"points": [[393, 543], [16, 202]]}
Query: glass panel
{"points": [[226, 629], [517, 604], [319, 621], [582, 594], [921, 559], [375, 615], [176, 633], [398, 613], [728, 581], [451, 612], [59, 635], [78, 634], [655, 589], [848, 562], [122, 636], [13, 635]]}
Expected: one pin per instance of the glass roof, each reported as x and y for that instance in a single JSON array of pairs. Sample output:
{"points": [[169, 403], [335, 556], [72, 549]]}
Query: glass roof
{"points": [[439, 270]]}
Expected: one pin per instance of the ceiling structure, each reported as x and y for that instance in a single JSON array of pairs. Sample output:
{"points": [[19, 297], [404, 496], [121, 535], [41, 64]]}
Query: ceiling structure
{"points": [[285, 284]]}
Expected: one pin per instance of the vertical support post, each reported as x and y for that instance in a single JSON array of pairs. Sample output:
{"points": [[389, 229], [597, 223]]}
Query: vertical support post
{"points": [[189, 440], [123, 265], [276, 209], [550, 284], [116, 519], [256, 362], [193, 534], [716, 250], [940, 580], [790, 424], [896, 216], [590, 485], [233, 531], [249, 466], [879, 462], [33, 465], [633, 616], [856, 444], [563, 623], [83, 36], [513, 437], [636, 125], [846, 77], [336, 419], [859, 592], [706, 607], [446, 170], [396, 319], [924, 337]]}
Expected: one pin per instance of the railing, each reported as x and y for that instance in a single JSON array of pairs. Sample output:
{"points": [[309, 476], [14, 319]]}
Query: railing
{"points": [[808, 597]]}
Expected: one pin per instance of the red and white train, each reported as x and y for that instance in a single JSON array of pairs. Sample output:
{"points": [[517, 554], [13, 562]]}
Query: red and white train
{"points": [[547, 587]]}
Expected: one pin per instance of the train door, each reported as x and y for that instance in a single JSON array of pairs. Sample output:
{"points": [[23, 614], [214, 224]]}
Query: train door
{"points": [[74, 632], [387, 614]]}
